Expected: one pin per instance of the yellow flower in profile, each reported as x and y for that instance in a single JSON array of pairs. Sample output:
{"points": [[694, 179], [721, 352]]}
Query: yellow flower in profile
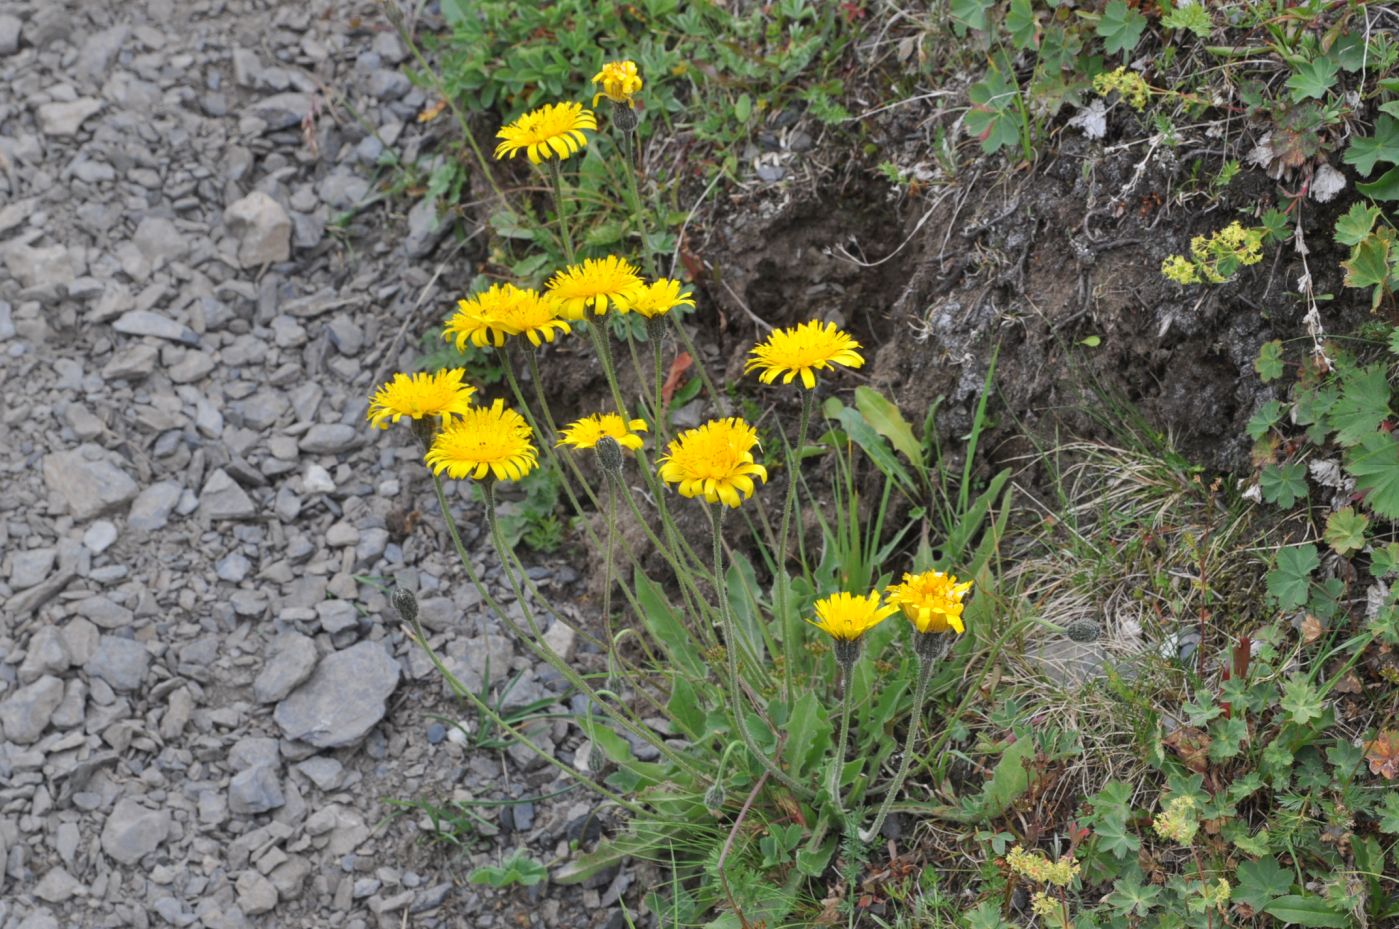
{"points": [[597, 282], [803, 350], [932, 601], [528, 314], [438, 394], [618, 81], [475, 320], [555, 130], [585, 432], [714, 461], [485, 440], [659, 298], [846, 617]]}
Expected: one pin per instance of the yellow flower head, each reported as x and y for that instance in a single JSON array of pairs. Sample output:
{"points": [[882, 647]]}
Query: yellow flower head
{"points": [[714, 461], [660, 297], [555, 130], [504, 310], [439, 394], [932, 601], [1177, 821], [597, 282], [618, 81], [803, 350], [848, 616], [585, 432], [486, 440]]}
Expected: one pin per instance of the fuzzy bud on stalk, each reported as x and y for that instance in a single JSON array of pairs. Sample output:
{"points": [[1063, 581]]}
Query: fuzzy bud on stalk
{"points": [[405, 603], [609, 454]]}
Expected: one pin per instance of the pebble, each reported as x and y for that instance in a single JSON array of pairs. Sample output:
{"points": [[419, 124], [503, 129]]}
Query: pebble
{"points": [[152, 507], [64, 119], [222, 498], [100, 536], [25, 714], [122, 663], [262, 228], [147, 323], [292, 659], [255, 790], [89, 480], [133, 831]]}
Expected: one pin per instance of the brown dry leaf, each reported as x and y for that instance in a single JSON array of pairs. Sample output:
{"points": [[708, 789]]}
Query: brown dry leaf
{"points": [[432, 111], [1192, 745], [677, 368], [1311, 629], [1383, 754], [1349, 684]]}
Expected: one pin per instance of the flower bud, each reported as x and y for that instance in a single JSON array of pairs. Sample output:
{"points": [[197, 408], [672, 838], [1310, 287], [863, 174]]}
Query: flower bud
{"points": [[405, 603], [623, 117], [609, 454], [1083, 630], [714, 799]]}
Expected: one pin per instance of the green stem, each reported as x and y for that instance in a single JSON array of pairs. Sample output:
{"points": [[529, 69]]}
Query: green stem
{"points": [[790, 628], [737, 700], [634, 192], [839, 768], [556, 175], [654, 335], [925, 673]]}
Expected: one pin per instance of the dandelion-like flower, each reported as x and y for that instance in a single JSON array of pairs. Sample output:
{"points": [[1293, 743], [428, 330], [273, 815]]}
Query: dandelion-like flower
{"points": [[585, 432], [531, 315], [486, 440], [476, 318], [803, 350], [597, 282], [659, 298], [932, 601], [439, 394], [846, 617], [555, 130], [618, 81], [714, 461]]}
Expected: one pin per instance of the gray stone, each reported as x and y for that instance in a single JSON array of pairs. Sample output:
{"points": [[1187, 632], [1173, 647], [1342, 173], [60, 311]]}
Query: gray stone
{"points": [[147, 323], [325, 773], [329, 438], [10, 27], [280, 111], [31, 566], [122, 663], [256, 895], [1067, 663], [64, 119], [152, 507], [293, 658], [337, 615], [132, 363], [233, 567], [159, 241], [133, 831], [484, 659], [49, 266], [193, 366], [88, 480], [425, 228], [317, 480], [58, 886], [46, 653], [25, 714], [104, 612], [39, 918], [255, 790], [222, 498], [262, 228], [100, 536], [343, 699], [253, 750]]}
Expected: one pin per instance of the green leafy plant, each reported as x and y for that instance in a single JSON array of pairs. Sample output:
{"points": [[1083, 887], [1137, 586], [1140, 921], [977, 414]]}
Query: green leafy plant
{"points": [[518, 868]]}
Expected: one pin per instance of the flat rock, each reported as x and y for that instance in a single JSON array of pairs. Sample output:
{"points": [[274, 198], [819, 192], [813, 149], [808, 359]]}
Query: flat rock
{"points": [[31, 566], [329, 438], [256, 789], [89, 480], [133, 831], [262, 228], [152, 507], [145, 322], [160, 241], [122, 663], [222, 498], [48, 266], [293, 659], [46, 653], [64, 119], [342, 700], [10, 27], [25, 714]]}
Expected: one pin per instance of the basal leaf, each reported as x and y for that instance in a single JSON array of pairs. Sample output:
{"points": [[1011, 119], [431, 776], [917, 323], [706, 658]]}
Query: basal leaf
{"points": [[1355, 225], [1374, 464], [1121, 27], [1363, 405], [886, 419], [1366, 150]]}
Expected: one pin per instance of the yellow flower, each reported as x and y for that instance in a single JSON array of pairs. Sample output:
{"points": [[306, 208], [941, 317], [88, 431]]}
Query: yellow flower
{"points": [[1131, 85], [439, 394], [1043, 905], [555, 130], [932, 601], [585, 432], [847, 616], [1180, 269], [660, 297], [486, 440], [1036, 866], [803, 350], [1177, 821], [714, 461], [619, 81], [597, 282], [504, 310]]}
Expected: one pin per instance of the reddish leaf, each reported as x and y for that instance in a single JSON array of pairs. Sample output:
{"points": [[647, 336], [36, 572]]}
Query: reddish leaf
{"points": [[678, 367], [1383, 754]]}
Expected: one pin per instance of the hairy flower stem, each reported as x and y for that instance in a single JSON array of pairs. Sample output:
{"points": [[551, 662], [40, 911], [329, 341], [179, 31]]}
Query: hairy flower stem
{"points": [[612, 481], [652, 404], [634, 194], [846, 652], [791, 630], [926, 645], [556, 175], [655, 330], [731, 646], [511, 564]]}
